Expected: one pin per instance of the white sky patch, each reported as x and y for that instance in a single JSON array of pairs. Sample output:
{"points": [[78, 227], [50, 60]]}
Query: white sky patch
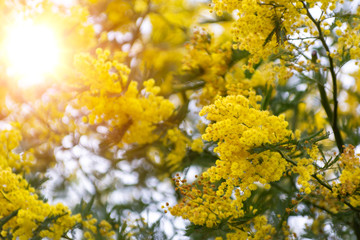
{"points": [[217, 29], [297, 224], [32, 52], [146, 27]]}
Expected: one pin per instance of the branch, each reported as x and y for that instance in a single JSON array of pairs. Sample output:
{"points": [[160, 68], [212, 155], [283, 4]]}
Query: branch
{"points": [[320, 182], [332, 117]]}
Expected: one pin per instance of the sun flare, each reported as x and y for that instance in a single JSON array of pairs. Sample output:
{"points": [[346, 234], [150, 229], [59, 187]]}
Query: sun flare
{"points": [[32, 52]]}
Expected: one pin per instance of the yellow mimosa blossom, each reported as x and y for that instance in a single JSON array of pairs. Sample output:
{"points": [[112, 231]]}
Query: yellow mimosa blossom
{"points": [[134, 113]]}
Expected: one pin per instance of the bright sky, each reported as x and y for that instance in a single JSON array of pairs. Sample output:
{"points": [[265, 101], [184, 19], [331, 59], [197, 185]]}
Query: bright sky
{"points": [[32, 52]]}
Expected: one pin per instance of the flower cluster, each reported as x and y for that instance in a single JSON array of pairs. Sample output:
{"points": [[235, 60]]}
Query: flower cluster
{"points": [[222, 72], [22, 213], [17, 197], [305, 169], [238, 128], [202, 206], [348, 38], [349, 180], [264, 27], [177, 144], [180, 143], [210, 61], [8, 157], [258, 225], [133, 113]]}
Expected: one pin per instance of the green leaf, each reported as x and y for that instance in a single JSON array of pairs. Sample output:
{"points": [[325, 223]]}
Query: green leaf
{"points": [[4, 220]]}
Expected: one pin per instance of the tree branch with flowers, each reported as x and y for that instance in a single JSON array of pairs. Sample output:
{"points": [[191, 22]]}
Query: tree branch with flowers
{"points": [[118, 117]]}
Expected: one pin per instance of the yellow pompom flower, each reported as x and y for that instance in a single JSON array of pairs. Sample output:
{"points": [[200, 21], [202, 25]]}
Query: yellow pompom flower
{"points": [[134, 113]]}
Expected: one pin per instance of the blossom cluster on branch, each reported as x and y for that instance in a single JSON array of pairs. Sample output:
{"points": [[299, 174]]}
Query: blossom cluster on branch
{"points": [[255, 96]]}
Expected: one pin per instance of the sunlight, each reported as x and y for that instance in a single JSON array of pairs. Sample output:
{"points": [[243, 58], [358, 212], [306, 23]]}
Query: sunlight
{"points": [[32, 52]]}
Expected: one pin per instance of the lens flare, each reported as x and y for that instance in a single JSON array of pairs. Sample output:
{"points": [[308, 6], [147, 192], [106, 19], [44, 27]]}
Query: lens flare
{"points": [[32, 52]]}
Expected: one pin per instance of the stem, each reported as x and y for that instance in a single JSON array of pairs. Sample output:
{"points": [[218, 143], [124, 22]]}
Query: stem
{"points": [[325, 102], [333, 117], [319, 207], [324, 184]]}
